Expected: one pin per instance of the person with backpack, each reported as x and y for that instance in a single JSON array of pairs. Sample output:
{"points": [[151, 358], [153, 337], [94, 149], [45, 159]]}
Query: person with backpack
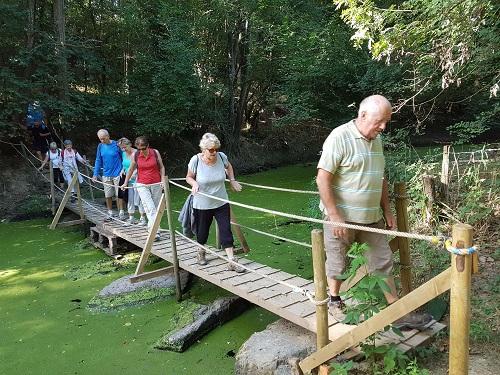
{"points": [[207, 174], [150, 178], [54, 155], [133, 198], [69, 157], [109, 159]]}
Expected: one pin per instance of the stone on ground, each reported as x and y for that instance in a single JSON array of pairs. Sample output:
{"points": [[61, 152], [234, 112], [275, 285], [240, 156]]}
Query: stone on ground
{"points": [[276, 350], [123, 284], [198, 320]]}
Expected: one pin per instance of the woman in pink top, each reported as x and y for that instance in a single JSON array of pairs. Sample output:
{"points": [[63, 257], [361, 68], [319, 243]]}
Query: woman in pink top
{"points": [[150, 172]]}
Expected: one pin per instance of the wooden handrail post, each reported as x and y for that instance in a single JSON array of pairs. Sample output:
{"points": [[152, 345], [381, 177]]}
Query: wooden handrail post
{"points": [[52, 189], [239, 233], [320, 285], [87, 172], [460, 290], [168, 204], [403, 242]]}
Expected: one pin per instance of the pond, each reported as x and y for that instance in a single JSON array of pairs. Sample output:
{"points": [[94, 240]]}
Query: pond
{"points": [[47, 329]]}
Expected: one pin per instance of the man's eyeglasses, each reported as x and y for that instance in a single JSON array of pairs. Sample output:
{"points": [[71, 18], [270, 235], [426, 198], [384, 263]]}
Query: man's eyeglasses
{"points": [[140, 148], [212, 150]]}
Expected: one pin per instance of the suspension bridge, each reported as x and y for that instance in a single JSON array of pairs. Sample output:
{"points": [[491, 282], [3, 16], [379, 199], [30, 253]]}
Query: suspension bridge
{"points": [[287, 295]]}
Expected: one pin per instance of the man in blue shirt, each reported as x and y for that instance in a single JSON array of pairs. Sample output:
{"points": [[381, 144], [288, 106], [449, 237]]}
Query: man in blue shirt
{"points": [[109, 158]]}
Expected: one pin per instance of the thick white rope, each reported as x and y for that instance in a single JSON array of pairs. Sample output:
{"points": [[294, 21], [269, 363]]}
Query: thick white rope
{"points": [[267, 234], [433, 239], [264, 187]]}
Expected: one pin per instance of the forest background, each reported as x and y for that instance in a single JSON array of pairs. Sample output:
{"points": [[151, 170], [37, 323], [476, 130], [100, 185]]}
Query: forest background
{"points": [[259, 73]]}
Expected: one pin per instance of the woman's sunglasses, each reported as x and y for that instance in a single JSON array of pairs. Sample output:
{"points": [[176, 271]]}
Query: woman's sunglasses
{"points": [[212, 150]]}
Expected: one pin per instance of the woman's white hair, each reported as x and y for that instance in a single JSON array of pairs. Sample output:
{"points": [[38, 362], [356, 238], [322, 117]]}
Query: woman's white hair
{"points": [[209, 140], [53, 145]]}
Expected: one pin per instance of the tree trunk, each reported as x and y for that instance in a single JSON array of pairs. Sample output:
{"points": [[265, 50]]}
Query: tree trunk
{"points": [[238, 85], [60, 49]]}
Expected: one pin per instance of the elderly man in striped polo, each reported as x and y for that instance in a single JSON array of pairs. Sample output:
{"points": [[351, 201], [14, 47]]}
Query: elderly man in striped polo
{"points": [[353, 190]]}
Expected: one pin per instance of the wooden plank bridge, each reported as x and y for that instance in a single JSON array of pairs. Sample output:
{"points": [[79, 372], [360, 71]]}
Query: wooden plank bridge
{"points": [[253, 287]]}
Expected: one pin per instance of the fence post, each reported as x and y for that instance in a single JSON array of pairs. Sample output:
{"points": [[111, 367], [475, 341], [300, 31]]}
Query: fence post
{"points": [[430, 194], [445, 175], [168, 204], [52, 189], [403, 242], [320, 285], [460, 290]]}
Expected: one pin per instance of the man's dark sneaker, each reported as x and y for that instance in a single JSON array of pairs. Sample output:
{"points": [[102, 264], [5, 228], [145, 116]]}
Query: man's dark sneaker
{"points": [[73, 198], [108, 219], [413, 320], [157, 237]]}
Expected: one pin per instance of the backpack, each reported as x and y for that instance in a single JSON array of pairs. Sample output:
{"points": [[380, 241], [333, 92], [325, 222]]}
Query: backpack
{"points": [[62, 154], [198, 159]]}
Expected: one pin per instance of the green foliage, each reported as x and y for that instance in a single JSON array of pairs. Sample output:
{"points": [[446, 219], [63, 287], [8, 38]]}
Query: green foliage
{"points": [[341, 368], [467, 131], [446, 51], [368, 292]]}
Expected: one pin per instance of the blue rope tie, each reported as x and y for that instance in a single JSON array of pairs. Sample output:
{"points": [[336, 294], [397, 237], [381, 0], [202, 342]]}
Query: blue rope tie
{"points": [[452, 249]]}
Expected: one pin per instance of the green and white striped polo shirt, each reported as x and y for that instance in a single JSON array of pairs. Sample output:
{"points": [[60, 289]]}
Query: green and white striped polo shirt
{"points": [[357, 165]]}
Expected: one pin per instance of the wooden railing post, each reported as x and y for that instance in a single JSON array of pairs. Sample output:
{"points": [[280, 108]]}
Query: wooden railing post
{"points": [[460, 290], [320, 285], [52, 189], [171, 227], [445, 174], [403, 242]]}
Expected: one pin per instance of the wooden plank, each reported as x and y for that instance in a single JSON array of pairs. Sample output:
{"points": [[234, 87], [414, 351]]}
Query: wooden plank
{"points": [[64, 201], [403, 306], [151, 274]]}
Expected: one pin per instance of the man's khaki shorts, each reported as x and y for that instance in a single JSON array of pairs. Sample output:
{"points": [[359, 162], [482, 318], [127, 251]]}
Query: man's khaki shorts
{"points": [[110, 191], [379, 255]]}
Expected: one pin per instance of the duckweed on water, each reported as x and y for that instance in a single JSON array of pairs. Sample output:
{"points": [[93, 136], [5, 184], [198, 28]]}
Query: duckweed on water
{"points": [[139, 297], [101, 267]]}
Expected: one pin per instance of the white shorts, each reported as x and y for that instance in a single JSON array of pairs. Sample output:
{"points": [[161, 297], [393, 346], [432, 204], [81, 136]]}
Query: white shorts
{"points": [[110, 191]]}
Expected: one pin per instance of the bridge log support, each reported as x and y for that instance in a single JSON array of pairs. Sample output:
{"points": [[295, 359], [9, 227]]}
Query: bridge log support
{"points": [[320, 285], [461, 269], [403, 242]]}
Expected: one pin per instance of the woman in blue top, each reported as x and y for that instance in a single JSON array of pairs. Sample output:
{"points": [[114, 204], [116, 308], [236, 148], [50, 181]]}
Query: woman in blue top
{"points": [[133, 196]]}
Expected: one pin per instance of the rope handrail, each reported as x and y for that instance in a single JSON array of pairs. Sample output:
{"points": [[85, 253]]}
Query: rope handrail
{"points": [[262, 187], [113, 185], [433, 239], [267, 234], [293, 288]]}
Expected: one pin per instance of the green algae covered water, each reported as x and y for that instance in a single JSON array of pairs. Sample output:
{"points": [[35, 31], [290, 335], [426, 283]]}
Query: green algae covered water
{"points": [[46, 329]]}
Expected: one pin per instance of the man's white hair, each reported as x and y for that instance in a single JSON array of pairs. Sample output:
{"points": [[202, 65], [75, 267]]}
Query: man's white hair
{"points": [[373, 103], [209, 140], [102, 132]]}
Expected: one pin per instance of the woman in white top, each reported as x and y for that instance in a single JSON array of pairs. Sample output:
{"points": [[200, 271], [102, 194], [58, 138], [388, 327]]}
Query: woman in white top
{"points": [[54, 155], [206, 174], [69, 158]]}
